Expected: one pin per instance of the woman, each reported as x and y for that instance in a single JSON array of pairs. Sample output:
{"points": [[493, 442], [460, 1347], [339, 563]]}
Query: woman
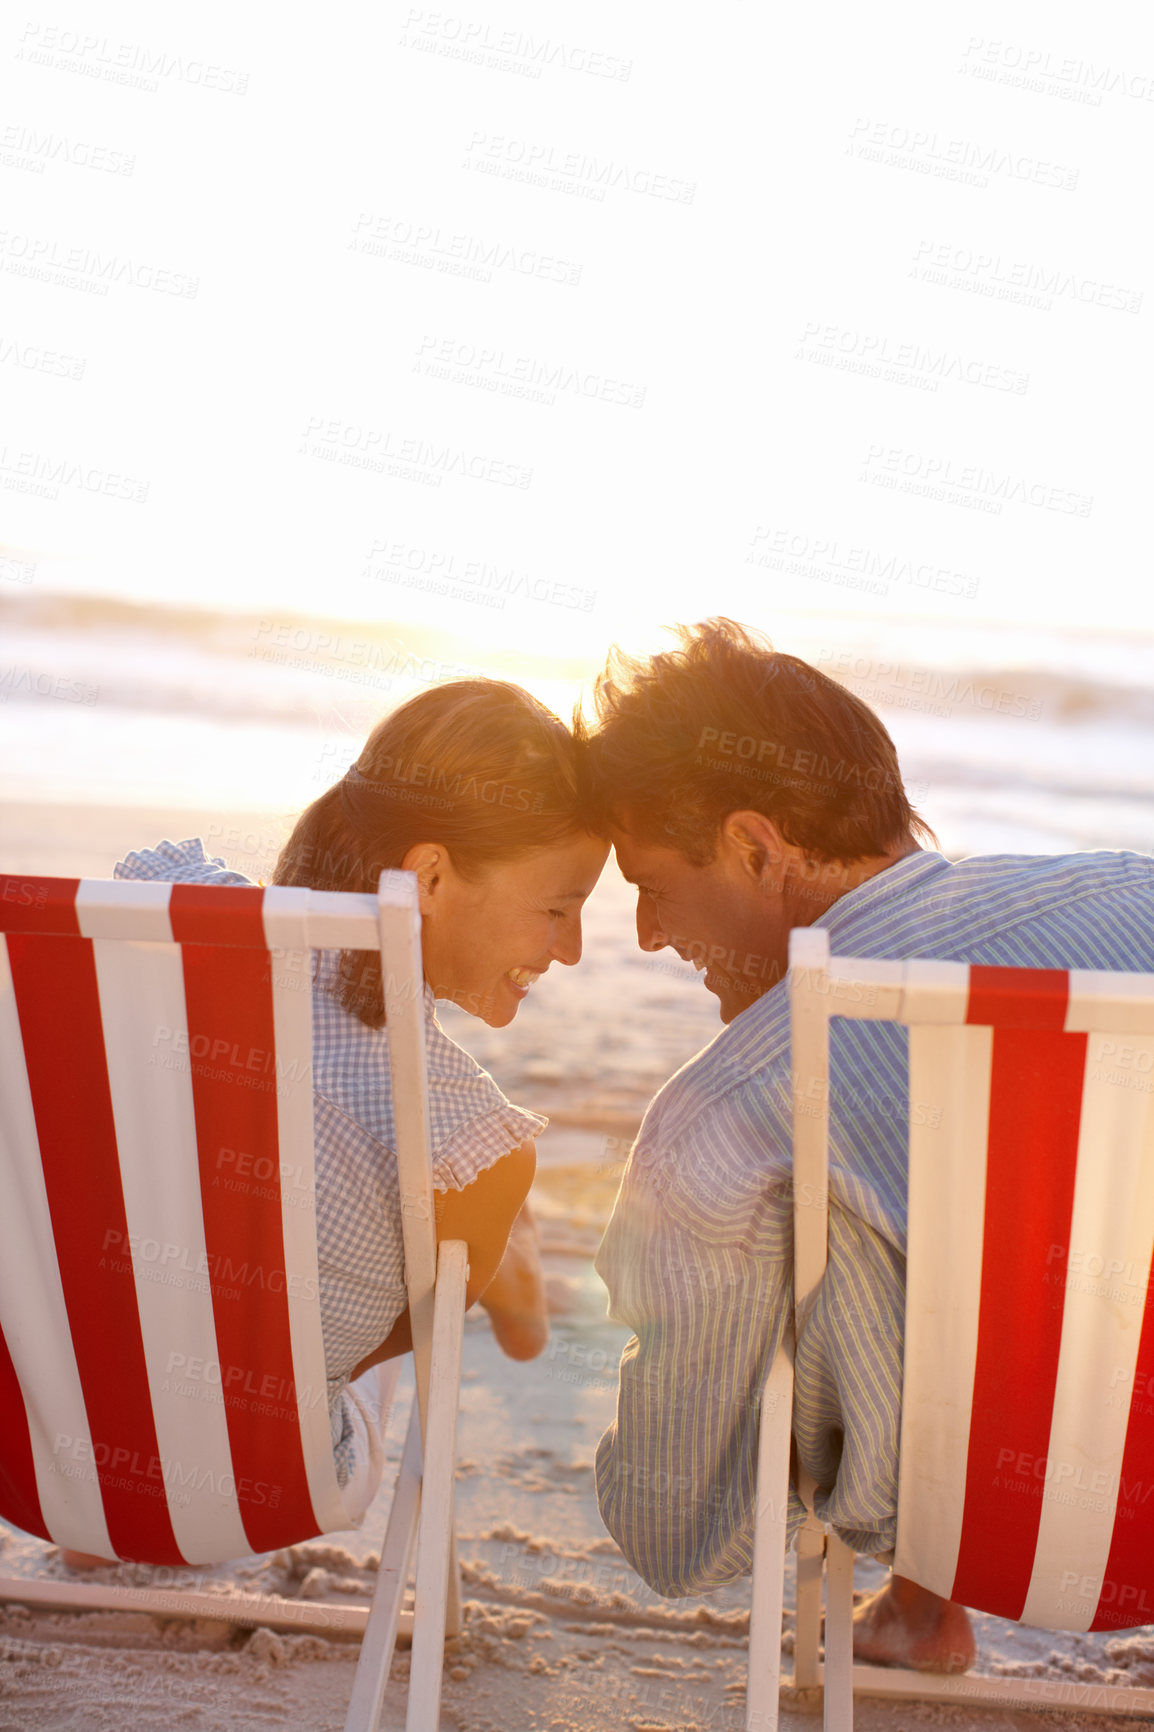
{"points": [[480, 791]]}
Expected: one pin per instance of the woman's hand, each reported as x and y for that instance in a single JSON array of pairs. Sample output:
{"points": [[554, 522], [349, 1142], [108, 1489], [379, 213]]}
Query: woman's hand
{"points": [[515, 1297]]}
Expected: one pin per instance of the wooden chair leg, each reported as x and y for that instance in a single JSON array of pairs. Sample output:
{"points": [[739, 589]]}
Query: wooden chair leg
{"points": [[838, 1635], [763, 1684], [435, 1533], [453, 1596], [384, 1614], [807, 1632]]}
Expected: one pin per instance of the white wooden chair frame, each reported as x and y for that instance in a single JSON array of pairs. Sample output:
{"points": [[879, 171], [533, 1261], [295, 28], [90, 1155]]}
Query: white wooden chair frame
{"points": [[422, 1506], [822, 986]]}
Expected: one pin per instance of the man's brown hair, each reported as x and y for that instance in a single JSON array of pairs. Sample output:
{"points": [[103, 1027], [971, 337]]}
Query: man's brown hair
{"points": [[726, 723]]}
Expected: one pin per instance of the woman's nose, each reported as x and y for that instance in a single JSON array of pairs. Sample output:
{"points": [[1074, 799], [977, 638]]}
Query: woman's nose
{"points": [[567, 944]]}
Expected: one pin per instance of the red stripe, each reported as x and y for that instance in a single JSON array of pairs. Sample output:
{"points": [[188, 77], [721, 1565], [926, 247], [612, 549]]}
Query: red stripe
{"points": [[1035, 1112], [231, 1039], [19, 1498], [229, 914], [1019, 997], [1127, 1594], [38, 904], [59, 1007]]}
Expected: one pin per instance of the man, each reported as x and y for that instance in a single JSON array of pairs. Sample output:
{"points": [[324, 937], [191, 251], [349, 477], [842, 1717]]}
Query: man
{"points": [[749, 794]]}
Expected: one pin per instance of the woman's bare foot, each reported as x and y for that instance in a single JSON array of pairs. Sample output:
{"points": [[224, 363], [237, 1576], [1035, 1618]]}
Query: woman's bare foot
{"points": [[515, 1297], [905, 1625], [85, 1560]]}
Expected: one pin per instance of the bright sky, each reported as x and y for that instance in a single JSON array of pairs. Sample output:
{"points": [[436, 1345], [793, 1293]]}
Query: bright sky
{"points": [[617, 316]]}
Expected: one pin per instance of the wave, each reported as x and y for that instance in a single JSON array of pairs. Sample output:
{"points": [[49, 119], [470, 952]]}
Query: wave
{"points": [[184, 660]]}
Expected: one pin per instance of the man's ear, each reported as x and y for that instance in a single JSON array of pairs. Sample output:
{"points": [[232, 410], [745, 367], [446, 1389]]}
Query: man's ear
{"points": [[428, 860], [758, 847]]}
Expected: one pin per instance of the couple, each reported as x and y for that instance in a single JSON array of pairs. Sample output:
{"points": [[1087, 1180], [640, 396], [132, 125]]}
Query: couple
{"points": [[744, 793]]}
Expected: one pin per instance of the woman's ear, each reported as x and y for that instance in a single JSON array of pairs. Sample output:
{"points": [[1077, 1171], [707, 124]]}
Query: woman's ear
{"points": [[428, 861]]}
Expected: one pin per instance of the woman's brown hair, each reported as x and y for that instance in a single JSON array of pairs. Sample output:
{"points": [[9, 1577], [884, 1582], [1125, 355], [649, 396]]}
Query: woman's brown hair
{"points": [[478, 766]]}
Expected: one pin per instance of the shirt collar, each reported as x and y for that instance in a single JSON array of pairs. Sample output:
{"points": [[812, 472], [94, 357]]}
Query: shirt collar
{"points": [[897, 880]]}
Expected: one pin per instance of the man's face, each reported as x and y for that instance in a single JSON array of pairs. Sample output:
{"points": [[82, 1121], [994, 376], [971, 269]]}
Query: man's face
{"points": [[725, 918]]}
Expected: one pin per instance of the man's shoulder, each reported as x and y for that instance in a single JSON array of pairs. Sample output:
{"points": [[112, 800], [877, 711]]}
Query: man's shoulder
{"points": [[932, 906], [723, 1122], [1105, 868]]}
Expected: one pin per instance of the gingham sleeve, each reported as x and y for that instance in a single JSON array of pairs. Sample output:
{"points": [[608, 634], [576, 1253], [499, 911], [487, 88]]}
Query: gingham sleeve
{"points": [[473, 1124], [177, 863], [482, 1141]]}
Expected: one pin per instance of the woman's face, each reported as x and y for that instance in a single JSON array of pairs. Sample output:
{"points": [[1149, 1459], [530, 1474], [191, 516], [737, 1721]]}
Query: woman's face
{"points": [[485, 940]]}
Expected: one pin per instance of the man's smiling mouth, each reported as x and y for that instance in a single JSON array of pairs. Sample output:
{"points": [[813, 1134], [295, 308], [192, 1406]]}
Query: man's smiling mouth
{"points": [[522, 978]]}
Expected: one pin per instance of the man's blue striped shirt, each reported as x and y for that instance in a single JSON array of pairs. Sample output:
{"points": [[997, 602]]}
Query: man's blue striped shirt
{"points": [[698, 1254]]}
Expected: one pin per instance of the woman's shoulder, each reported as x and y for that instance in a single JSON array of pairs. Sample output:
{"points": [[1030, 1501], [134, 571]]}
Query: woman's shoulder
{"points": [[177, 863], [352, 1069]]}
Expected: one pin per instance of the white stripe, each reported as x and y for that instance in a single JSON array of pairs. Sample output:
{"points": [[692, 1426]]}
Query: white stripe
{"points": [[862, 986], [107, 908], [285, 918], [936, 992], [146, 1040], [291, 968], [35, 1317], [1123, 1003], [1111, 1233], [950, 1079], [336, 919]]}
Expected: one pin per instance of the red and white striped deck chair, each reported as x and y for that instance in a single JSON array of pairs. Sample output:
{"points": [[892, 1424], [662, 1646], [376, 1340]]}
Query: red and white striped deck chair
{"points": [[1026, 1474], [162, 1377]]}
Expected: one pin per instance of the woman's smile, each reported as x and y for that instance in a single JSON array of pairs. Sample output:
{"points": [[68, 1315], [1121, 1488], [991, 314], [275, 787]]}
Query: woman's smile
{"points": [[529, 906]]}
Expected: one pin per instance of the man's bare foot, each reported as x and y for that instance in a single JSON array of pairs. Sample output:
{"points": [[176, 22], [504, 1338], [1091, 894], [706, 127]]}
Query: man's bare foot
{"points": [[904, 1625], [85, 1560], [515, 1298]]}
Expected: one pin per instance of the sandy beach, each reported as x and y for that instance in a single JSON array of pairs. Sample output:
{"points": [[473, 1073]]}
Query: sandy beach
{"points": [[559, 1634]]}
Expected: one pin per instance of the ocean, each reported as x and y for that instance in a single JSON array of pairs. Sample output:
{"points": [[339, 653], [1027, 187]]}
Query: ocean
{"points": [[1027, 742]]}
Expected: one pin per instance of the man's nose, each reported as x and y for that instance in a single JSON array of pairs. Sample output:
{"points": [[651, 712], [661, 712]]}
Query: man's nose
{"points": [[649, 933]]}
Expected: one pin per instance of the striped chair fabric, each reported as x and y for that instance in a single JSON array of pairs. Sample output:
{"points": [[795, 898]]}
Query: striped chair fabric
{"points": [[1026, 1471], [1028, 1405], [162, 1373], [160, 1352]]}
